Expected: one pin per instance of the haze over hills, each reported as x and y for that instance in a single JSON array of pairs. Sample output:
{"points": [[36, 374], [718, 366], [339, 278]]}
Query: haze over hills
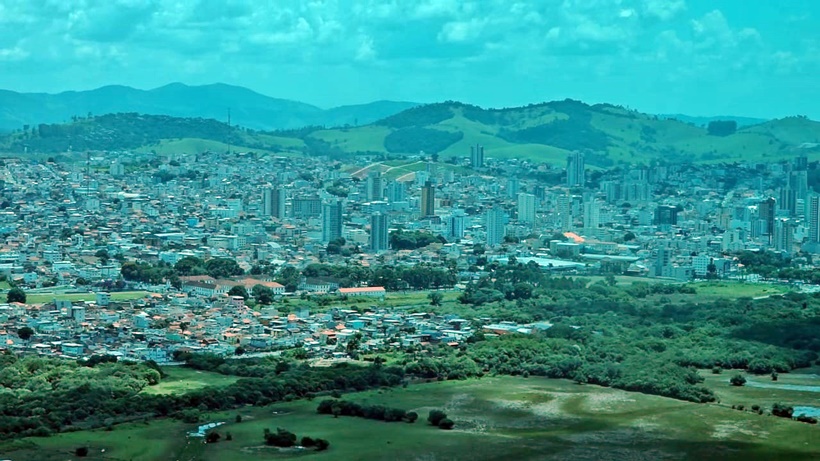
{"points": [[248, 108], [542, 132]]}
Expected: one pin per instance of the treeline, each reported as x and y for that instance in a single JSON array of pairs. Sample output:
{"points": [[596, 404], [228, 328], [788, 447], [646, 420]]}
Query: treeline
{"points": [[417, 139], [412, 240], [91, 402], [378, 412]]}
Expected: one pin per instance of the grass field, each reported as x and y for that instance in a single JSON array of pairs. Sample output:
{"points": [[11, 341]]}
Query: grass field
{"points": [[180, 380], [751, 394], [41, 298], [734, 290], [496, 419]]}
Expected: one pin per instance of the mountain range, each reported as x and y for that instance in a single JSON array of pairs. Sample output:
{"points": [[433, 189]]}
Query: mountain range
{"points": [[193, 121], [247, 108]]}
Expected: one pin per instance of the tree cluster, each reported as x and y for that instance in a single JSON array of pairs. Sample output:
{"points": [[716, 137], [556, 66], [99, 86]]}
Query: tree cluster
{"points": [[378, 412]]}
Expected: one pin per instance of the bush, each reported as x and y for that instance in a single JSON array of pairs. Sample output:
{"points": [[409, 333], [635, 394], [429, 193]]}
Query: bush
{"points": [[717, 370], [737, 380], [782, 411], [307, 442], [436, 416], [281, 438], [212, 437], [446, 424], [807, 419], [322, 444], [411, 416], [81, 452]]}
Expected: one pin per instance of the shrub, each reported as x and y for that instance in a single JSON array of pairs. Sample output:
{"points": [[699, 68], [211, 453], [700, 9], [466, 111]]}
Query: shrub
{"points": [[281, 438], [807, 419], [717, 370], [436, 416], [737, 380], [212, 437], [81, 452], [322, 444], [411, 416], [755, 407], [781, 410], [307, 442], [446, 424]]}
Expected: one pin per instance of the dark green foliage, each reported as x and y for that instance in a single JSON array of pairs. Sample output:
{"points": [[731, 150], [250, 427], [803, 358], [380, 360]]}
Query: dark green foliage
{"points": [[222, 267], [190, 265], [722, 127], [322, 444], [446, 424], [737, 380], [416, 139], [436, 416], [281, 438], [420, 116], [262, 294], [16, 295], [574, 133], [81, 452], [411, 417], [435, 298], [782, 411], [377, 412], [25, 333], [212, 437], [239, 290], [407, 240], [806, 419]]}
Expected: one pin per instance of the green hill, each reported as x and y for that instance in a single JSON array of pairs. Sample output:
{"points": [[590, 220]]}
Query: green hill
{"points": [[547, 132], [544, 132]]}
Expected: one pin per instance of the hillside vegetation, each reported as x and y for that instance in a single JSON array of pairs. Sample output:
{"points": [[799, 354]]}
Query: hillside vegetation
{"points": [[545, 132]]}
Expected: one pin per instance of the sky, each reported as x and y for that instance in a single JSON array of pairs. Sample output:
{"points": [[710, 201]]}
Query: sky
{"points": [[758, 58]]}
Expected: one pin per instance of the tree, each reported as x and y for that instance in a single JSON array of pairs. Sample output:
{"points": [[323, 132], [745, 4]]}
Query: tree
{"points": [[262, 294], [16, 295], [446, 424], [238, 419], [81, 452], [737, 380], [307, 442], [411, 416], [783, 411], [435, 298], [190, 265], [436, 416], [25, 333], [212, 437], [239, 290], [322, 444], [239, 350], [281, 438]]}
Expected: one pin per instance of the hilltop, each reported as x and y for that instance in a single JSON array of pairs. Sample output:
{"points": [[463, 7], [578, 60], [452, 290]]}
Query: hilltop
{"points": [[248, 108], [542, 132], [549, 131]]}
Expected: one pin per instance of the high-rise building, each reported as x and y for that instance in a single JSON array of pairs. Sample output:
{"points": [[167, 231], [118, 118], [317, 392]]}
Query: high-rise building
{"points": [[332, 221], [428, 199], [666, 215], [783, 239], [495, 226], [592, 214], [526, 208], [575, 170], [396, 192], [513, 184], [477, 156], [766, 212], [813, 216], [455, 225], [306, 207], [374, 187], [273, 202], [378, 232], [564, 208]]}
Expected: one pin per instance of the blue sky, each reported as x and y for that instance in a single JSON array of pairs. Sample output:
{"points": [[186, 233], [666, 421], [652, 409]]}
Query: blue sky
{"points": [[740, 57]]}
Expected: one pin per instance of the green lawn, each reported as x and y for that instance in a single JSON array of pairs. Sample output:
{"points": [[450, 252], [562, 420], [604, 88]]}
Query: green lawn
{"points": [[180, 380], [496, 418], [765, 397], [37, 298], [736, 290]]}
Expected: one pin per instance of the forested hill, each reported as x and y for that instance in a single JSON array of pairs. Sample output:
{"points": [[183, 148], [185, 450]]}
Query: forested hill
{"points": [[549, 131], [546, 132]]}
